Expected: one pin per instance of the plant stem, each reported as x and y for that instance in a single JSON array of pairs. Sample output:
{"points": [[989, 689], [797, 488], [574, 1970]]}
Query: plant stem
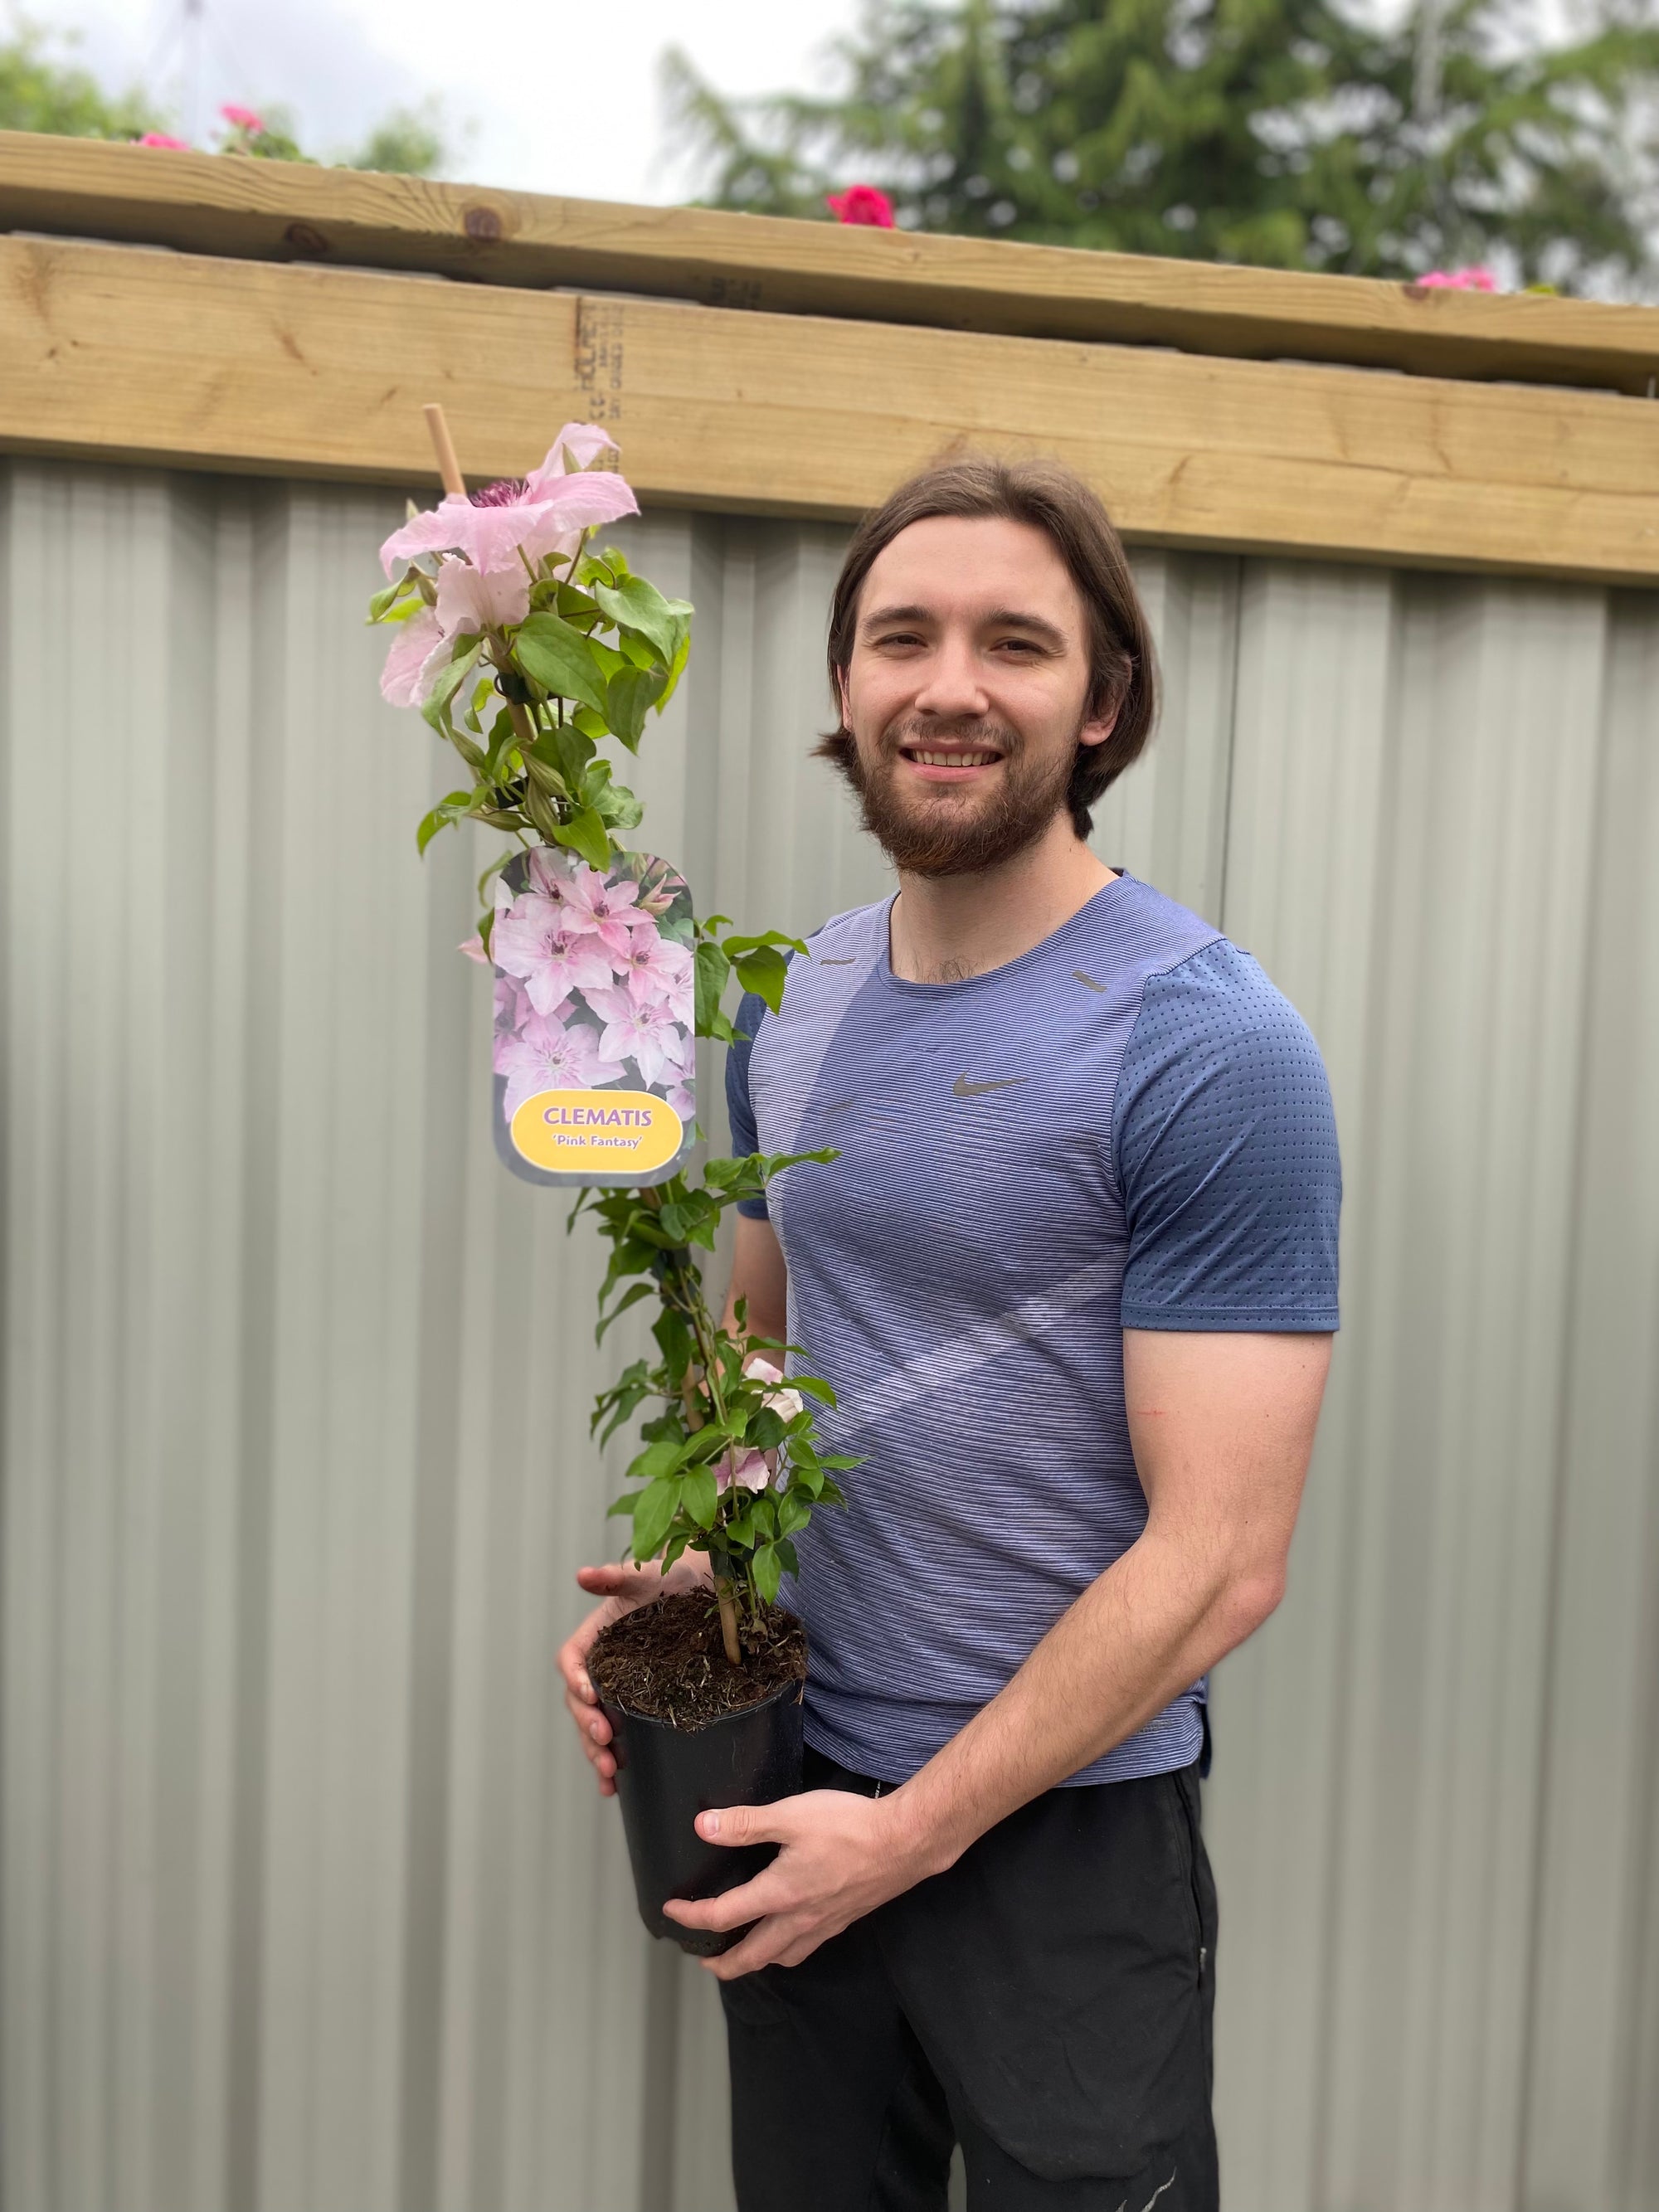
{"points": [[728, 1606]]}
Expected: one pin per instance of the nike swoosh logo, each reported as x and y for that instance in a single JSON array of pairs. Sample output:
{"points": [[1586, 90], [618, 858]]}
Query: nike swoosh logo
{"points": [[963, 1089]]}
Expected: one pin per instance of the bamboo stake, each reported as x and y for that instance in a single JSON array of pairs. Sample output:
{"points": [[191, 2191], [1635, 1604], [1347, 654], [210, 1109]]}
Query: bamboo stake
{"points": [[444, 445]]}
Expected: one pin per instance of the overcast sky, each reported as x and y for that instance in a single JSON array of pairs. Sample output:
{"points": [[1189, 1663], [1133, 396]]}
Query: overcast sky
{"points": [[544, 94]]}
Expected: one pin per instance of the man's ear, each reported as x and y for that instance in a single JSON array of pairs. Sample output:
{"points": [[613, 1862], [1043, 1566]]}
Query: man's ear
{"points": [[1096, 733], [840, 701]]}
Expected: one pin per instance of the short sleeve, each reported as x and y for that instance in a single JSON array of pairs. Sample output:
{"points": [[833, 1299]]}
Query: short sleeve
{"points": [[1225, 1147], [739, 1107]]}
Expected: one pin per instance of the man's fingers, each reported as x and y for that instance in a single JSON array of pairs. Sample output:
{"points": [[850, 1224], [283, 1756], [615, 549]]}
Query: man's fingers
{"points": [[747, 1824], [752, 1901]]}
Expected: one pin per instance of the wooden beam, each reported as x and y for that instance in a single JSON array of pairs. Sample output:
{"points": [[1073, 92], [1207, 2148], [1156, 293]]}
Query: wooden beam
{"points": [[110, 353], [275, 210]]}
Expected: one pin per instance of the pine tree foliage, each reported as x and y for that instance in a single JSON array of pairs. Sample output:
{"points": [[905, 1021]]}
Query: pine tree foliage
{"points": [[1288, 133]]}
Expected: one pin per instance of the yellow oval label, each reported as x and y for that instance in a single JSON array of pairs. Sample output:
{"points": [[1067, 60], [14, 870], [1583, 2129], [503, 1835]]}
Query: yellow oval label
{"points": [[599, 1131]]}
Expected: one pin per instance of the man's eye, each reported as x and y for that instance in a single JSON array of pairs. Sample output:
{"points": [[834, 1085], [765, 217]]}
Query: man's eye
{"points": [[899, 637]]}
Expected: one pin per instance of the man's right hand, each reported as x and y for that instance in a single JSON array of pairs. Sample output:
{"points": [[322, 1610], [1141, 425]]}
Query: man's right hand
{"points": [[621, 1589]]}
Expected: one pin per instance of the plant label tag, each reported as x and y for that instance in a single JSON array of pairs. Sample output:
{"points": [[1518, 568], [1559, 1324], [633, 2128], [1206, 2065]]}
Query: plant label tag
{"points": [[594, 1036]]}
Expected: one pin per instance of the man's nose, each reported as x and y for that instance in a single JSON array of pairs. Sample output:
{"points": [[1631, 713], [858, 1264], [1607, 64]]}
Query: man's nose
{"points": [[953, 684]]}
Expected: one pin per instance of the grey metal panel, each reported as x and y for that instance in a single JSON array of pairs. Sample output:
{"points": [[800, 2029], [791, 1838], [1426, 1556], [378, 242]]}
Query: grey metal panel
{"points": [[305, 1901]]}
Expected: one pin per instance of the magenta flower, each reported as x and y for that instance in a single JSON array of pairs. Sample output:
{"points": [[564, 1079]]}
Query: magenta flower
{"points": [[244, 119], [657, 972], [863, 205], [603, 908], [1457, 280], [645, 1035], [162, 138], [533, 941], [503, 526], [549, 1057]]}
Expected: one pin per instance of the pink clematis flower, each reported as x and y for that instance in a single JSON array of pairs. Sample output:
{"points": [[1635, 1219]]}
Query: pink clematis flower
{"points": [[603, 909], [533, 941], [472, 599], [514, 1013], [418, 652], [645, 1035], [749, 1472], [659, 972], [549, 1057], [785, 1403], [162, 138], [244, 119], [682, 1101], [501, 527]]}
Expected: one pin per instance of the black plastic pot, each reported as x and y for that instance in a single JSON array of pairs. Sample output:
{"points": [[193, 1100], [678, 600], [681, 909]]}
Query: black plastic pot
{"points": [[666, 1776]]}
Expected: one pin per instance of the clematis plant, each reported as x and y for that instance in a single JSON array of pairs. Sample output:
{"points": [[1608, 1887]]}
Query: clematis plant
{"points": [[528, 653]]}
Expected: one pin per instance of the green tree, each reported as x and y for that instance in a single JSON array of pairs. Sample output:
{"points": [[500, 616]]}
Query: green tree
{"points": [[43, 91], [1288, 133], [408, 143]]}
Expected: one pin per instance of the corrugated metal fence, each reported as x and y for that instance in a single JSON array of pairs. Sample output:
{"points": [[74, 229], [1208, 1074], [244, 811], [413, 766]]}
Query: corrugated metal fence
{"points": [[307, 1906]]}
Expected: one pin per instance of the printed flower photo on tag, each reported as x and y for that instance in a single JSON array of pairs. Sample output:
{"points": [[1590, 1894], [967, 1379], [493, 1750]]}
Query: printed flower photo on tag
{"points": [[594, 1042]]}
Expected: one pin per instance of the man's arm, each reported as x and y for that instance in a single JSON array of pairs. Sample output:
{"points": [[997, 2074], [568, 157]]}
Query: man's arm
{"points": [[1223, 1427], [760, 1279]]}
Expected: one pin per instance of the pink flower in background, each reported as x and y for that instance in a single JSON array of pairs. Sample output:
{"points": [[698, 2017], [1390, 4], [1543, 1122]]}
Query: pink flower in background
{"points": [[473, 947], [750, 1471], [162, 138], [865, 206], [501, 527], [604, 909], [244, 119], [645, 1035], [533, 941], [547, 1057], [547, 874], [658, 971], [1457, 280], [682, 1101]]}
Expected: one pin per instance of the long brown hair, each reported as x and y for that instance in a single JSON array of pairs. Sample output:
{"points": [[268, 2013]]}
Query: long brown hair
{"points": [[1050, 497]]}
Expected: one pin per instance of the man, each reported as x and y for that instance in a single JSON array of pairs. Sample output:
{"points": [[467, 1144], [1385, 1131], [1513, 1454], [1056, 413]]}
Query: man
{"points": [[1074, 1277]]}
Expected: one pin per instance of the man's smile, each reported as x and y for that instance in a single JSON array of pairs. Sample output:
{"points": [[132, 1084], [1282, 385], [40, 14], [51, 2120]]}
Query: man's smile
{"points": [[949, 764]]}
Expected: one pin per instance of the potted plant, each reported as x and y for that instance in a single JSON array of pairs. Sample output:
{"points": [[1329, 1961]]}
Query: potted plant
{"points": [[526, 651]]}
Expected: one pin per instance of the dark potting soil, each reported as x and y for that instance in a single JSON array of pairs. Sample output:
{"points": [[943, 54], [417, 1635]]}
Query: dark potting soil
{"points": [[667, 1660]]}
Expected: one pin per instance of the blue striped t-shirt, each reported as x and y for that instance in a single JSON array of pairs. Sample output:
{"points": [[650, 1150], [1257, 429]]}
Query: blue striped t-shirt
{"points": [[1127, 1128]]}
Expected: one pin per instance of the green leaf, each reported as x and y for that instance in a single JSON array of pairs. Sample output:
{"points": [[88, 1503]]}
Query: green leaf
{"points": [[585, 833], [699, 1496], [635, 604], [766, 1431], [381, 606], [794, 1513], [434, 707], [766, 1571], [656, 1459], [764, 970], [449, 809], [653, 1509], [813, 1386], [841, 1461], [711, 969], [628, 697], [560, 659], [629, 1298]]}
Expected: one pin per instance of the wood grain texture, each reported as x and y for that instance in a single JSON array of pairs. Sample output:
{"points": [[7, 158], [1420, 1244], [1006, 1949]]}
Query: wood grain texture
{"points": [[234, 365], [263, 211]]}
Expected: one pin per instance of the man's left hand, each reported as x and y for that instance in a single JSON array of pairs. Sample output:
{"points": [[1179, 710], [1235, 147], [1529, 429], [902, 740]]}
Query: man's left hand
{"points": [[842, 1855]]}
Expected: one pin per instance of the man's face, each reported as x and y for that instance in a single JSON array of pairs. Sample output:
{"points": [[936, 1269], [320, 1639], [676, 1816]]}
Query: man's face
{"points": [[965, 694]]}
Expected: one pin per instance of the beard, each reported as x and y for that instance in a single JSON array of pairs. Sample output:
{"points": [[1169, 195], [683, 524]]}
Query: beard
{"points": [[953, 830]]}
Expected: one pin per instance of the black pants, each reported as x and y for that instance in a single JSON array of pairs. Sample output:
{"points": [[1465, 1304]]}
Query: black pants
{"points": [[1047, 2003]]}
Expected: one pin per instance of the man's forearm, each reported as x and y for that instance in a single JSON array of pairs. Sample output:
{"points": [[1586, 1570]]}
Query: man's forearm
{"points": [[1149, 1628]]}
